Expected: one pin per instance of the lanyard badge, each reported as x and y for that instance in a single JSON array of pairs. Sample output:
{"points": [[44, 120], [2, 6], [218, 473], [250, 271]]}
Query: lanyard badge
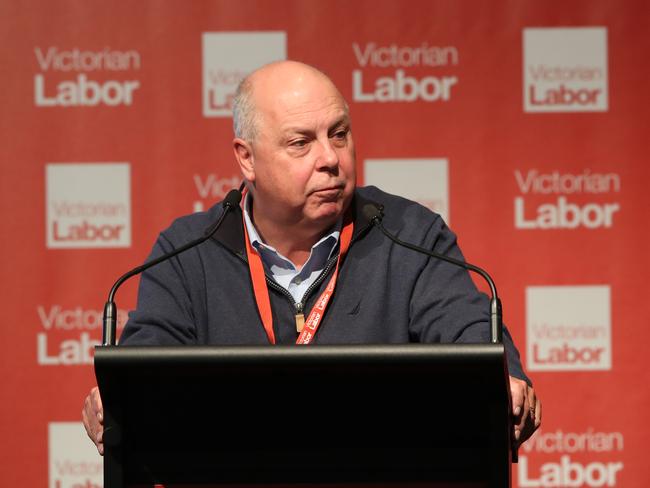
{"points": [[260, 288]]}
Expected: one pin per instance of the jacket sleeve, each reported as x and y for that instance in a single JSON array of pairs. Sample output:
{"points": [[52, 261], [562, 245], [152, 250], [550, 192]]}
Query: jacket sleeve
{"points": [[445, 304], [164, 313]]}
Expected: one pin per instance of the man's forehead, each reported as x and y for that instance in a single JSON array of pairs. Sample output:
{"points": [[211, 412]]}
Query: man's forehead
{"points": [[305, 115], [294, 96], [309, 115]]}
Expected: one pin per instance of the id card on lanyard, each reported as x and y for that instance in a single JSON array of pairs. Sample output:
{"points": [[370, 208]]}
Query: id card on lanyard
{"points": [[261, 290]]}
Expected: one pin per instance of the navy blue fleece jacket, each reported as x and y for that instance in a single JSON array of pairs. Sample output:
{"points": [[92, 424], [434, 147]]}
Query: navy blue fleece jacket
{"points": [[385, 293]]}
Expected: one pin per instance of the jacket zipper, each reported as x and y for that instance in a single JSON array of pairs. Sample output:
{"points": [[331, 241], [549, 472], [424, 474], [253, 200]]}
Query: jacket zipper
{"points": [[299, 307]]}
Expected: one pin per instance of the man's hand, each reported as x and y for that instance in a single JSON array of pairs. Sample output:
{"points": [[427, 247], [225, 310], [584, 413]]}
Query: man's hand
{"points": [[93, 416], [526, 408]]}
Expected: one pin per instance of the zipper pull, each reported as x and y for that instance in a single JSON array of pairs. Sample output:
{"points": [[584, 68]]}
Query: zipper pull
{"points": [[300, 318]]}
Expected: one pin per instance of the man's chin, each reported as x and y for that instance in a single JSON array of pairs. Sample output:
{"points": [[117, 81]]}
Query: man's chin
{"points": [[327, 213]]}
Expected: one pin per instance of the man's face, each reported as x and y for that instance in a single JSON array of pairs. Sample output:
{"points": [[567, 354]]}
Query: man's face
{"points": [[303, 156]]}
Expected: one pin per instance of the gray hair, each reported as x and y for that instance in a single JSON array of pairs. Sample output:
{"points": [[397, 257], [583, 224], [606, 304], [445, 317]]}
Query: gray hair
{"points": [[244, 116]]}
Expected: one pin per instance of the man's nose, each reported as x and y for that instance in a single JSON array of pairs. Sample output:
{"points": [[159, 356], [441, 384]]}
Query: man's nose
{"points": [[328, 157]]}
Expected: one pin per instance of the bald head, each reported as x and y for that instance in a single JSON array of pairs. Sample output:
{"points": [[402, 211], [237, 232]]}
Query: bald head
{"points": [[279, 82], [293, 143]]}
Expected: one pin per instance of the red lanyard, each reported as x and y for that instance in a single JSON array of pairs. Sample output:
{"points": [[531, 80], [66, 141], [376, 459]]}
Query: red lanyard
{"points": [[262, 292]]}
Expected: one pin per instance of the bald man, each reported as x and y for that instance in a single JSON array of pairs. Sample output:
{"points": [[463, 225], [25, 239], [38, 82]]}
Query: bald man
{"points": [[301, 232]]}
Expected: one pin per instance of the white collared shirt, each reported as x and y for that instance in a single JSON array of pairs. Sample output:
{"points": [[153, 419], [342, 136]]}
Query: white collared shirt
{"points": [[281, 269]]}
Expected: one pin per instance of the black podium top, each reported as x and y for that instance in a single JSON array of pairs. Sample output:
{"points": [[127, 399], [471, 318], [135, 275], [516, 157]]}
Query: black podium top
{"points": [[318, 414]]}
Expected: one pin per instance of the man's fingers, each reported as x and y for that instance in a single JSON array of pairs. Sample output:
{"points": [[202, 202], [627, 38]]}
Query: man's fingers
{"points": [[84, 416], [93, 418], [524, 409], [97, 406], [518, 395], [538, 414], [532, 401], [520, 422], [531, 419]]}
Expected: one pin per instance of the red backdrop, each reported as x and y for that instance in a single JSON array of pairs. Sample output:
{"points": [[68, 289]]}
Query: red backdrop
{"points": [[523, 122]]}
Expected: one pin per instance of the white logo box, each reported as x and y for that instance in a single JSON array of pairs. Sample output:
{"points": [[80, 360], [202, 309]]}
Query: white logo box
{"points": [[565, 69], [425, 181], [568, 328], [73, 459], [230, 56], [88, 205]]}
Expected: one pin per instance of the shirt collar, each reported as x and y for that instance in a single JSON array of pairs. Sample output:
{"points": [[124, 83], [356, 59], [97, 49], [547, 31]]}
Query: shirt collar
{"points": [[321, 251]]}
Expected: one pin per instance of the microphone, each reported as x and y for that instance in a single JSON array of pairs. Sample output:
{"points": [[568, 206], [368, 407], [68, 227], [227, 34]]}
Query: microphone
{"points": [[231, 201], [374, 215]]}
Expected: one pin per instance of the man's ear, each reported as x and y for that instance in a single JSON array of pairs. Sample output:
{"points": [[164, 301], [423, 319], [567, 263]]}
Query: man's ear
{"points": [[244, 156]]}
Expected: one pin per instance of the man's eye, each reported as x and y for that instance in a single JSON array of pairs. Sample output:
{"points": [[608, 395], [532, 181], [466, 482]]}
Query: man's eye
{"points": [[340, 136], [298, 143]]}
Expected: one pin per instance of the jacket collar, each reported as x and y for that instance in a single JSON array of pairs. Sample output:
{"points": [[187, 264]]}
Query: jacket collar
{"points": [[231, 233]]}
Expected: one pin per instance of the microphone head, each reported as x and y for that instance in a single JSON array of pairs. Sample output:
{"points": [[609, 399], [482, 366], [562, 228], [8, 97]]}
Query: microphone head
{"points": [[232, 199], [372, 213]]}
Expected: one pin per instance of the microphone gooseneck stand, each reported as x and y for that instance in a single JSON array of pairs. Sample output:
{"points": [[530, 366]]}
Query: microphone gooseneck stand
{"points": [[375, 216], [231, 201]]}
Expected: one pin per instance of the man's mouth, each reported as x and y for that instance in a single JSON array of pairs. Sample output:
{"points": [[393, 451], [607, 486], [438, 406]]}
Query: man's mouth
{"points": [[329, 192]]}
